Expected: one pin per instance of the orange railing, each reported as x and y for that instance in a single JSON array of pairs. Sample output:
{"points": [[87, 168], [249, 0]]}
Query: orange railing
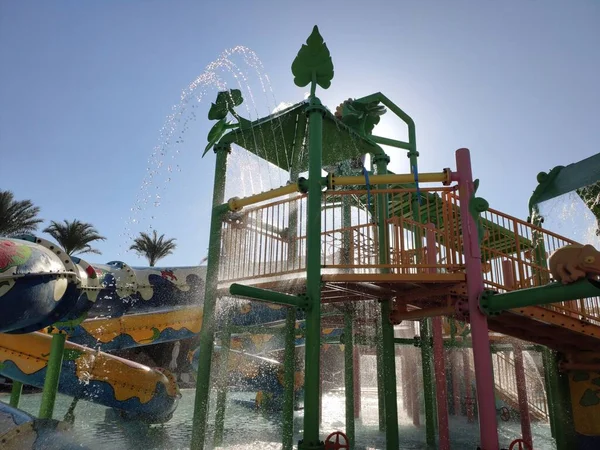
{"points": [[506, 384], [526, 253], [269, 240]]}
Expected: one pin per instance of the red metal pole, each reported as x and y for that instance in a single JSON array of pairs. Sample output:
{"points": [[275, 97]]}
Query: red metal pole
{"points": [[438, 355], [522, 395], [357, 386], [484, 372]]}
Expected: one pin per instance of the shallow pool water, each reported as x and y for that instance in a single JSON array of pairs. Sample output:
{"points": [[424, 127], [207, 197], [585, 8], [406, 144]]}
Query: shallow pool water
{"points": [[100, 429]]}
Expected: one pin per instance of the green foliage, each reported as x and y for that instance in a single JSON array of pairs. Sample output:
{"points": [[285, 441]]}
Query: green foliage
{"points": [[74, 236], [17, 216], [313, 63], [153, 247]]}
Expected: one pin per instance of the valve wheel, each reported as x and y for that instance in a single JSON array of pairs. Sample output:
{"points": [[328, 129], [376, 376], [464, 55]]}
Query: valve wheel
{"points": [[331, 444], [519, 444], [505, 414]]}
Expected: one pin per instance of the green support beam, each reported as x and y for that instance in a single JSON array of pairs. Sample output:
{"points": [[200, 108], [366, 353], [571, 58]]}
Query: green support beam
{"points": [[266, 295], [15, 393], [222, 382], [289, 381], [53, 369], [207, 332], [349, 377], [493, 303]]}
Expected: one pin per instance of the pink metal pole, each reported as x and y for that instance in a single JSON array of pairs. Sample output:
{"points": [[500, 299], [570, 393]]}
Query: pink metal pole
{"points": [[522, 396], [438, 354], [467, 375], [484, 374], [357, 386], [455, 384], [509, 281]]}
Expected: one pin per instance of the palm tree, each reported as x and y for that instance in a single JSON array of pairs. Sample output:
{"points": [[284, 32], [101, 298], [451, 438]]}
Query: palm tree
{"points": [[74, 236], [153, 247], [17, 217]]}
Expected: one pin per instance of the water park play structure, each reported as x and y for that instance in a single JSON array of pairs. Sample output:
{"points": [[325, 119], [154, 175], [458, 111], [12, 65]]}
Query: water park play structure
{"points": [[341, 256]]}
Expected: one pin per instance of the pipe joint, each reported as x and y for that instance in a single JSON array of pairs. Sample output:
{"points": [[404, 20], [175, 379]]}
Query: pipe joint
{"points": [[484, 303], [315, 106], [382, 157], [222, 147], [303, 185]]}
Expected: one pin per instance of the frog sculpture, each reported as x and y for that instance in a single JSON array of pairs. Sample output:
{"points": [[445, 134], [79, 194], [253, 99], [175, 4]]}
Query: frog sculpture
{"points": [[573, 262]]}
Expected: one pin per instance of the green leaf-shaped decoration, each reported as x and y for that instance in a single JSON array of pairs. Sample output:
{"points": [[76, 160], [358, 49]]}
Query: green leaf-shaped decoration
{"points": [[362, 116], [226, 101], [581, 376], [589, 398], [313, 63], [215, 133]]}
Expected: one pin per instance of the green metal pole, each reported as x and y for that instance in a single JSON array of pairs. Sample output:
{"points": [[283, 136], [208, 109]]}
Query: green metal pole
{"points": [[15, 393], [380, 386], [313, 279], [546, 355], [52, 375], [288, 376], [561, 405], [207, 333], [349, 376], [222, 382], [387, 329], [492, 302], [428, 387]]}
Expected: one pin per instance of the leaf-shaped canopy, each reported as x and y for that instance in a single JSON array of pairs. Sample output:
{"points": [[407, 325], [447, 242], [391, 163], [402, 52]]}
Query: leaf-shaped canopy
{"points": [[215, 133], [226, 101], [313, 62]]}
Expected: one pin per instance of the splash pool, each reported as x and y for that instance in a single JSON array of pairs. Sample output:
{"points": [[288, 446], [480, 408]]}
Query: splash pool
{"points": [[100, 429]]}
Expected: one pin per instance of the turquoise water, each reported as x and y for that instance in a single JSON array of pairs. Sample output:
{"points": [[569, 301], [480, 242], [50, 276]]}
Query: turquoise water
{"points": [[100, 429]]}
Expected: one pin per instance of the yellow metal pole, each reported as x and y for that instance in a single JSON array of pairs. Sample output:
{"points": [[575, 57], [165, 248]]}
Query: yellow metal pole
{"points": [[235, 204], [435, 177]]}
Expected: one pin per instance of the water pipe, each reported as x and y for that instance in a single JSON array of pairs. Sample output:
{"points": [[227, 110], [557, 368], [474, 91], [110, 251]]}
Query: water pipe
{"points": [[444, 177], [492, 302], [235, 203]]}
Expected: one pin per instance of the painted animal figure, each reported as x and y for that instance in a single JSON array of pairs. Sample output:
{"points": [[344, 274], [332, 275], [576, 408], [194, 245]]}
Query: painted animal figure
{"points": [[573, 262]]}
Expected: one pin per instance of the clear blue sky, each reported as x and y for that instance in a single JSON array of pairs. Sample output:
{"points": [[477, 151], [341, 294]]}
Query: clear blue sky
{"points": [[85, 87]]}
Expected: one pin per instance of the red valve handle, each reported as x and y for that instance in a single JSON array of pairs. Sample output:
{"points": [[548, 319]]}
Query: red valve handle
{"points": [[522, 445], [331, 444]]}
